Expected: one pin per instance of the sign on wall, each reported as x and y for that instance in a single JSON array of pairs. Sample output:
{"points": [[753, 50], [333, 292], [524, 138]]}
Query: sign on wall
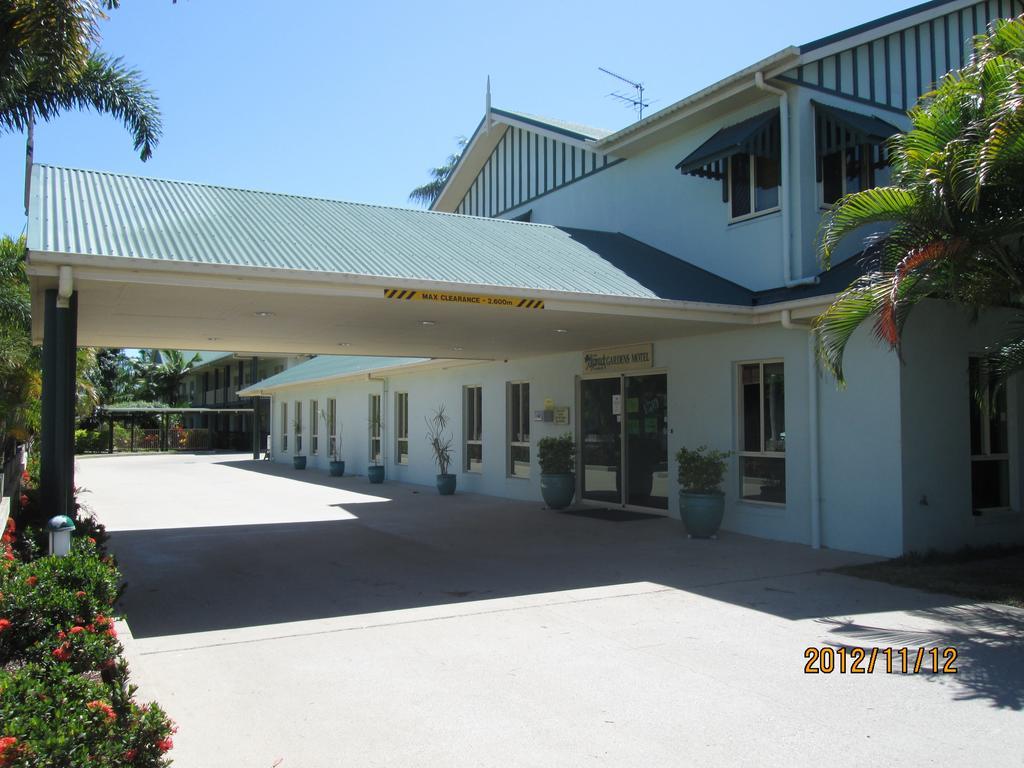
{"points": [[619, 358], [479, 299]]}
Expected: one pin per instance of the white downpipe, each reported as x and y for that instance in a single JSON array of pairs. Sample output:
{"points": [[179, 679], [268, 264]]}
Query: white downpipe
{"points": [[814, 441], [787, 187], [65, 286]]}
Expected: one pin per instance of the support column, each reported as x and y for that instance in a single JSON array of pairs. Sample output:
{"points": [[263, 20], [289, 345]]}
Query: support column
{"points": [[255, 422], [110, 437], [57, 450]]}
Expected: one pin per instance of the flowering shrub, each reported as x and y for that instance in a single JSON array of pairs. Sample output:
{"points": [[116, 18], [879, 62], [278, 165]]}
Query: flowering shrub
{"points": [[59, 608], [51, 716]]}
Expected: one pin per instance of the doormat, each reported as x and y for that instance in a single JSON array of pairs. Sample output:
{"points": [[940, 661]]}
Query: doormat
{"points": [[611, 515]]}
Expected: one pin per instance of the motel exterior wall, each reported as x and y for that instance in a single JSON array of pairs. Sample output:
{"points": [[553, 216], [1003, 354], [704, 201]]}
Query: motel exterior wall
{"points": [[859, 429]]}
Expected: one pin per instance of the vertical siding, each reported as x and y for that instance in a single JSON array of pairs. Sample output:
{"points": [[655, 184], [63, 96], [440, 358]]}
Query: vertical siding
{"points": [[894, 70], [523, 166]]}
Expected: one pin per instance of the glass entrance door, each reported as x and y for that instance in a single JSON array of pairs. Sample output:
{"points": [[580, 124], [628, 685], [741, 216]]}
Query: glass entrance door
{"points": [[624, 440], [601, 439], [646, 414]]}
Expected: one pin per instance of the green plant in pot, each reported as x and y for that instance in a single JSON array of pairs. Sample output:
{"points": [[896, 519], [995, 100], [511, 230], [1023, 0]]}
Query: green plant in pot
{"points": [[701, 500], [375, 472], [557, 458], [298, 460], [336, 463], [440, 440]]}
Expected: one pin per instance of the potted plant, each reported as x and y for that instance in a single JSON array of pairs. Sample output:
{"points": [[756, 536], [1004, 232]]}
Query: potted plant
{"points": [[557, 458], [441, 444], [337, 465], [701, 500], [298, 460], [375, 472]]}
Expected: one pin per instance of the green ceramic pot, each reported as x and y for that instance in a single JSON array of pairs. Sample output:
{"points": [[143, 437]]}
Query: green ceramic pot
{"points": [[337, 469], [376, 474], [299, 462], [558, 490], [702, 513], [446, 484]]}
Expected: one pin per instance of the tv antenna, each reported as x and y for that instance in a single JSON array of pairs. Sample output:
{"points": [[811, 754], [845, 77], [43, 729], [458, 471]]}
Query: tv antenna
{"points": [[636, 100]]}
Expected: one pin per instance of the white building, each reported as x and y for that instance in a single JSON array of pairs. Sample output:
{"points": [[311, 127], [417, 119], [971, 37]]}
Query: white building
{"points": [[653, 292]]}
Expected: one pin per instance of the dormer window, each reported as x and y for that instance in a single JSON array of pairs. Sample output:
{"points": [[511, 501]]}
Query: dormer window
{"points": [[745, 157], [850, 150]]}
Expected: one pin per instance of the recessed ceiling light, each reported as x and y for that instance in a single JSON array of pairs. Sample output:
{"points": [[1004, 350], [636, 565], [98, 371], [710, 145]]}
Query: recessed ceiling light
{"points": [[427, 323], [344, 344], [213, 338], [263, 313], [456, 349], [561, 330]]}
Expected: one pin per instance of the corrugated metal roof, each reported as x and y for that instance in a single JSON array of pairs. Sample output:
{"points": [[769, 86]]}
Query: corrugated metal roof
{"points": [[106, 214], [323, 367]]}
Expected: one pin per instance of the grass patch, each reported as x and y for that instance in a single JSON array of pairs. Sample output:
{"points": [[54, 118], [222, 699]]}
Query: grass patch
{"points": [[992, 574]]}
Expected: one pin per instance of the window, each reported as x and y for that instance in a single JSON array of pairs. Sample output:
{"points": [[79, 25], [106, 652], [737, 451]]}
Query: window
{"points": [[474, 452], [762, 438], [332, 424], [376, 429], [314, 427], [753, 184], [990, 442], [846, 171], [519, 429], [284, 427], [298, 426], [401, 427]]}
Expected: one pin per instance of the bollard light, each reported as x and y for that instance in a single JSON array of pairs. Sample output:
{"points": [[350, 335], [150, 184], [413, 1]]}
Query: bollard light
{"points": [[60, 528]]}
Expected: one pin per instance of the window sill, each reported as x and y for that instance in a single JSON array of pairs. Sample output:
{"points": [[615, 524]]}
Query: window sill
{"points": [[762, 507], [756, 215], [516, 477]]}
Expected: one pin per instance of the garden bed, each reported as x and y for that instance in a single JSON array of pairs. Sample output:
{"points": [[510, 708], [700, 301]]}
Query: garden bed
{"points": [[65, 695]]}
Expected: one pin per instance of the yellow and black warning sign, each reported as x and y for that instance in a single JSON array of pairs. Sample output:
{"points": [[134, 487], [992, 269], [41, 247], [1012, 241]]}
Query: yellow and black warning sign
{"points": [[515, 302]]}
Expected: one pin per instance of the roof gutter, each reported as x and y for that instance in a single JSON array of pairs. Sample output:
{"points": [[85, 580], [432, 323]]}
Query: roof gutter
{"points": [[787, 187]]}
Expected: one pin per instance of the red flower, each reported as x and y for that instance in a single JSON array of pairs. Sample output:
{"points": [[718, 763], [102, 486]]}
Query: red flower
{"points": [[8, 556], [32, 580], [61, 653], [91, 540], [108, 664], [80, 594], [5, 624], [24, 500], [77, 630], [24, 477], [104, 708], [112, 632], [165, 745], [130, 754], [8, 748], [10, 525]]}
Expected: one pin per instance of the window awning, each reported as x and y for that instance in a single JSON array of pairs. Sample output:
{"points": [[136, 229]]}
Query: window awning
{"points": [[757, 135], [837, 128]]}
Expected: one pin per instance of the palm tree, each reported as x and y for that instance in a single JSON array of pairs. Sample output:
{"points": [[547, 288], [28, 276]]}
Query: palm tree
{"points": [[429, 192], [168, 374], [956, 208], [48, 64], [20, 374]]}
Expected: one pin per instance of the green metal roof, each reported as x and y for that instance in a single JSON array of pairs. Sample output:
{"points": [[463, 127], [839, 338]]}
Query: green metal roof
{"points": [[325, 367], [85, 212]]}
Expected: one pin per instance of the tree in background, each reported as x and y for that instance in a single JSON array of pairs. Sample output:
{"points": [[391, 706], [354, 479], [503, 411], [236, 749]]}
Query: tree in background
{"points": [[170, 372], [112, 376], [956, 208], [20, 373], [429, 192], [49, 63]]}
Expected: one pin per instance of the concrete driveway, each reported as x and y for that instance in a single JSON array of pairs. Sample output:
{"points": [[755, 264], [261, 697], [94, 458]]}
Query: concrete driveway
{"points": [[290, 619]]}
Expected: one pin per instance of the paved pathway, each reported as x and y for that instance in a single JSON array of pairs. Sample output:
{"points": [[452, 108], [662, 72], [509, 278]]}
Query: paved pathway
{"points": [[289, 619]]}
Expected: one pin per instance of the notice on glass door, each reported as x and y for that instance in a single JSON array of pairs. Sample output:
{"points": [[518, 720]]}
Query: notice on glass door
{"points": [[616, 405]]}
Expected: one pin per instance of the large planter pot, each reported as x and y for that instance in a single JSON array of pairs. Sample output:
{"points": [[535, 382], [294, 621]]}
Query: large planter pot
{"points": [[376, 473], [299, 462], [446, 484], [558, 490], [701, 513], [337, 469]]}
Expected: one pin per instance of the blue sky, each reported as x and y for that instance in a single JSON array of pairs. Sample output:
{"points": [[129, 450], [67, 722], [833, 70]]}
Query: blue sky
{"points": [[356, 101]]}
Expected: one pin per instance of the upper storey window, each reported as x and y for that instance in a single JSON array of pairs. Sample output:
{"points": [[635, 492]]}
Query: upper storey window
{"points": [[850, 150], [745, 157]]}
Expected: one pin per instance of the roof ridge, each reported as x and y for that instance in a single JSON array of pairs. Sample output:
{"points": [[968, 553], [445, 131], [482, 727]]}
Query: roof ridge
{"points": [[248, 190]]}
